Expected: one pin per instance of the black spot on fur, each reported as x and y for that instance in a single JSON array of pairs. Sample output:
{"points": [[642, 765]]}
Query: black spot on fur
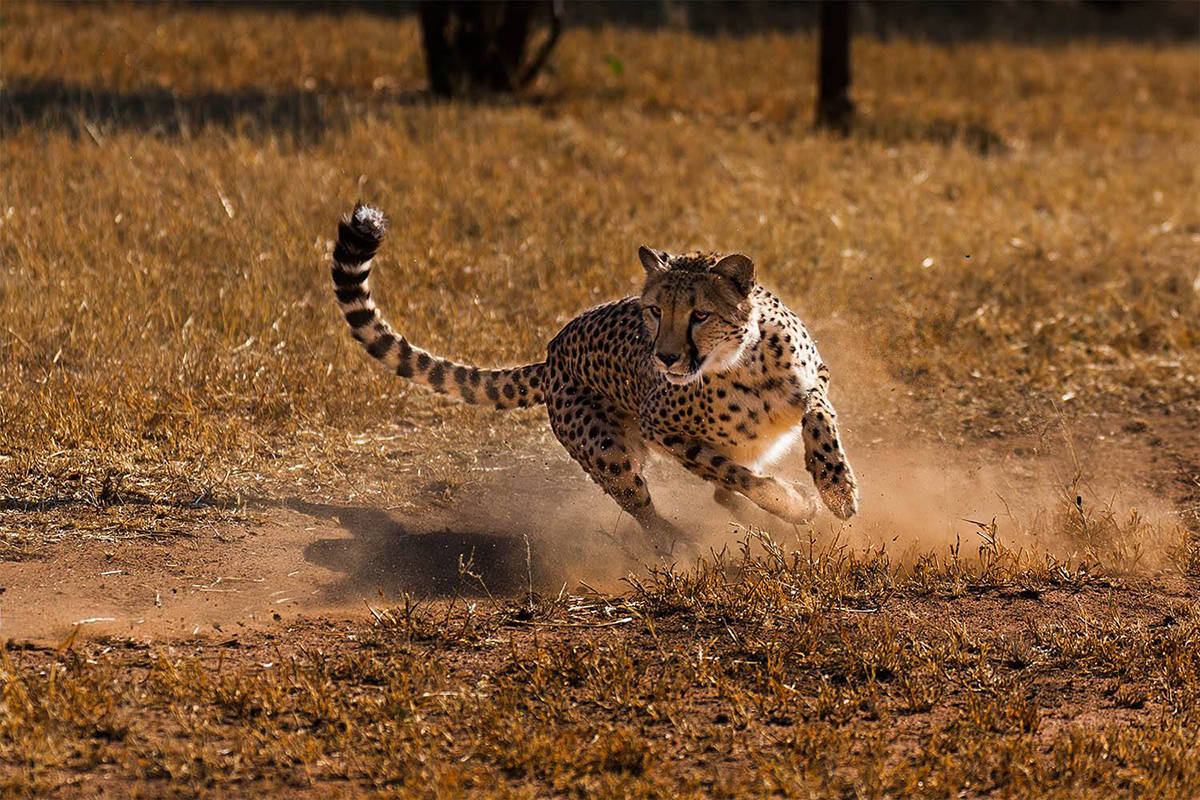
{"points": [[437, 376], [381, 346], [360, 317], [348, 294], [342, 278]]}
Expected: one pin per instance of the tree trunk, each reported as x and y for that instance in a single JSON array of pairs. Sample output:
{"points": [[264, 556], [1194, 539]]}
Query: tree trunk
{"points": [[473, 46], [835, 110], [439, 61]]}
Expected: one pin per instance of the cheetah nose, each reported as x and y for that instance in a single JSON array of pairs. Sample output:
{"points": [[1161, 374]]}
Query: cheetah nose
{"points": [[667, 359]]}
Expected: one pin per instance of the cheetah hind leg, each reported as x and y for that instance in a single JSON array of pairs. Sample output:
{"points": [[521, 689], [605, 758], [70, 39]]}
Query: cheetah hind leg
{"points": [[771, 495], [732, 501], [612, 454]]}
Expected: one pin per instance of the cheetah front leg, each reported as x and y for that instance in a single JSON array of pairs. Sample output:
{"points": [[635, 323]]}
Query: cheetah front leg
{"points": [[825, 458], [769, 494]]}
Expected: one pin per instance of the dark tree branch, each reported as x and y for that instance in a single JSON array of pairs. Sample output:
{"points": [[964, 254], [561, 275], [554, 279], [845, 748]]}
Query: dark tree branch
{"points": [[539, 61]]}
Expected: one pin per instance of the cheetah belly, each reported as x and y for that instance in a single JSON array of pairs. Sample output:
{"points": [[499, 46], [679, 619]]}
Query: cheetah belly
{"points": [[771, 442], [752, 428]]}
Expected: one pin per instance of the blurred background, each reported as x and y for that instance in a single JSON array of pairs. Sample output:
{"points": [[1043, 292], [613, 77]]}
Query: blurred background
{"points": [[987, 212]]}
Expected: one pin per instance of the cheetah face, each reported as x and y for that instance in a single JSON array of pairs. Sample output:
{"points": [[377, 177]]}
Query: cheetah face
{"points": [[697, 312]]}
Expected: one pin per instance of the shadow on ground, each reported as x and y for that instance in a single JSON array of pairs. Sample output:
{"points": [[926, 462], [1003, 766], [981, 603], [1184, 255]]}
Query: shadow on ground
{"points": [[478, 548], [308, 116], [396, 557], [533, 525], [943, 131]]}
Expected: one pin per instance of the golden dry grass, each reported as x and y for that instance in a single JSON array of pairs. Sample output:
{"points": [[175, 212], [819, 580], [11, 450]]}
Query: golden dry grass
{"points": [[762, 673], [165, 301], [1010, 226]]}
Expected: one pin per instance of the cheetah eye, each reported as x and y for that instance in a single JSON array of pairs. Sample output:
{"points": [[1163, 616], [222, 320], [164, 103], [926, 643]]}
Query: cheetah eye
{"points": [[654, 311], [700, 316]]}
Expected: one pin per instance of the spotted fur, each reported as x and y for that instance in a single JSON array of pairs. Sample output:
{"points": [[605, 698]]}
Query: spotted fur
{"points": [[704, 365]]}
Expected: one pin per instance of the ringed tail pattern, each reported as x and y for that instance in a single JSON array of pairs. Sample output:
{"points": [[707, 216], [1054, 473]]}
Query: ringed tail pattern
{"points": [[359, 236]]}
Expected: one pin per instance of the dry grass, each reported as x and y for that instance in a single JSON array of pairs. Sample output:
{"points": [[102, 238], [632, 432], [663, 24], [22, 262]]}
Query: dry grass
{"points": [[1012, 230], [759, 673], [165, 303]]}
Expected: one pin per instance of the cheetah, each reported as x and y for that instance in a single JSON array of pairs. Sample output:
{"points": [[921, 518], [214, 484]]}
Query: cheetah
{"points": [[705, 365]]}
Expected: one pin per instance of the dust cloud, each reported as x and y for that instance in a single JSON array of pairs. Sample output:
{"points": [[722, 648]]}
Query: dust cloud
{"points": [[1058, 492], [532, 521]]}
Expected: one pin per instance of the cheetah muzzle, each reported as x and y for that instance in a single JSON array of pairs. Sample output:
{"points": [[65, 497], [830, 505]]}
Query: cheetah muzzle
{"points": [[705, 365]]}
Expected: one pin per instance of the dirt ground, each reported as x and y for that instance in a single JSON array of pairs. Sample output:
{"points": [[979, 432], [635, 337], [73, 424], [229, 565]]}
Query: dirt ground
{"points": [[519, 629], [530, 521]]}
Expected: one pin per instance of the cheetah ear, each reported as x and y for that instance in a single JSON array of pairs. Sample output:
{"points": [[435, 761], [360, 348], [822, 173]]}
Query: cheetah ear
{"points": [[738, 269], [653, 260]]}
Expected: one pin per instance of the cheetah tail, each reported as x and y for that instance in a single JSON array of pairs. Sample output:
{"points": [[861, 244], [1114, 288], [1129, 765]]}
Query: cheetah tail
{"points": [[359, 235]]}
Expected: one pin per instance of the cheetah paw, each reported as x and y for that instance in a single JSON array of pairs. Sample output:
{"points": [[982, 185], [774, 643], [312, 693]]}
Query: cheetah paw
{"points": [[789, 503], [841, 498]]}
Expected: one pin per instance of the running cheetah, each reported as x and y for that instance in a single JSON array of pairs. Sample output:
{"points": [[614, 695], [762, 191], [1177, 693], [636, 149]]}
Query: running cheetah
{"points": [[705, 365]]}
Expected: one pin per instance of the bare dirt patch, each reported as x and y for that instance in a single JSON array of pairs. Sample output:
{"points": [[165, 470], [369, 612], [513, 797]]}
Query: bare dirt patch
{"points": [[530, 522]]}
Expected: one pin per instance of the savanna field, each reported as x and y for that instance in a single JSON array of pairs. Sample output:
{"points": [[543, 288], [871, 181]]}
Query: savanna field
{"points": [[236, 560]]}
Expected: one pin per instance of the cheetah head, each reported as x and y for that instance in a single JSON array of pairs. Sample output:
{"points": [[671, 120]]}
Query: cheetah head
{"points": [[697, 311]]}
